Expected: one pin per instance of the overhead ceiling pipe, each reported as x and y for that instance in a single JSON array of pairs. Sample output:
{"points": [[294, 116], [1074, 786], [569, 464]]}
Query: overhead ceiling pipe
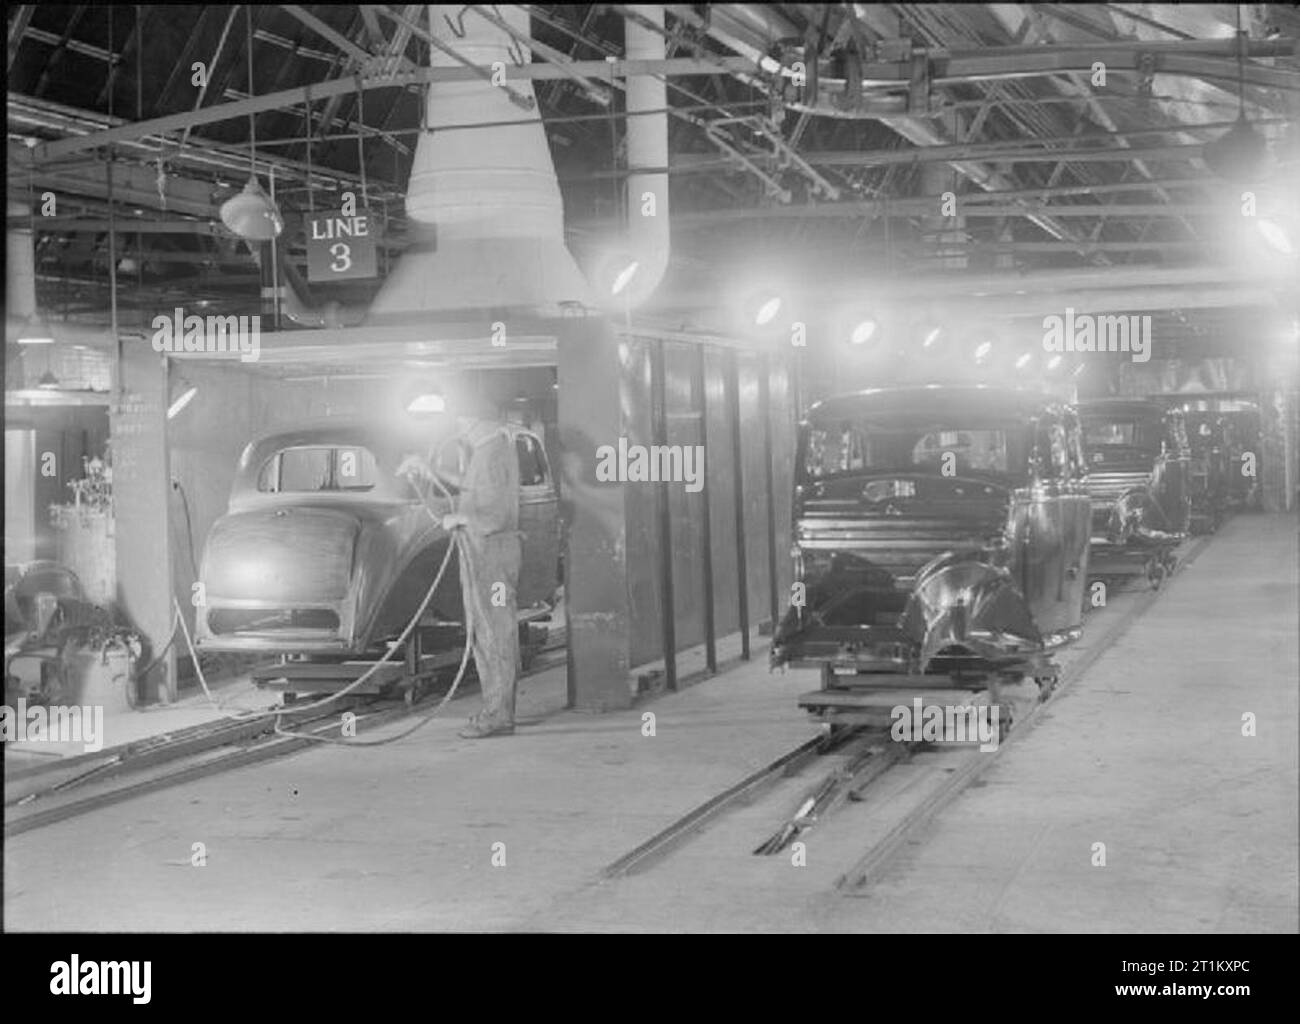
{"points": [[485, 216], [648, 236]]}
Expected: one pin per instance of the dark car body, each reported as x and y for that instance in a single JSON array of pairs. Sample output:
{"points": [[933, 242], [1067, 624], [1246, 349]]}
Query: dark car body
{"points": [[938, 529], [1245, 451], [325, 550], [1139, 466], [1210, 439]]}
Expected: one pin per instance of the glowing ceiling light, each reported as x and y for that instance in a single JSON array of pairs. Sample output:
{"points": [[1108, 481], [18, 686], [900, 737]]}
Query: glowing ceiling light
{"points": [[1054, 362], [429, 402], [1276, 237], [864, 332], [984, 349], [932, 337], [184, 392], [770, 64], [1023, 361], [768, 310], [624, 277]]}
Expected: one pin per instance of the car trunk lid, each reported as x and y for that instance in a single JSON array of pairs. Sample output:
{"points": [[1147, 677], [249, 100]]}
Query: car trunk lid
{"points": [[289, 555]]}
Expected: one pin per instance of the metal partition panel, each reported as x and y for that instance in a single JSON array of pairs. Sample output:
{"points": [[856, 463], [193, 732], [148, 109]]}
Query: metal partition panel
{"points": [[715, 560], [720, 471], [643, 582], [686, 508]]}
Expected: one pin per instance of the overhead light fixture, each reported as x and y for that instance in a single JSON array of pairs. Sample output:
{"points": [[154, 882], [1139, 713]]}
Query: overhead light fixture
{"points": [[1241, 153], [768, 310], [1054, 362], [985, 347], [624, 277], [182, 394], [252, 215], [427, 402], [1275, 236], [35, 331], [770, 64], [1023, 361], [932, 336], [864, 332]]}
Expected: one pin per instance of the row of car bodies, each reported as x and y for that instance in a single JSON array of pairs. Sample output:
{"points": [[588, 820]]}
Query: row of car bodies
{"points": [[938, 529], [951, 530]]}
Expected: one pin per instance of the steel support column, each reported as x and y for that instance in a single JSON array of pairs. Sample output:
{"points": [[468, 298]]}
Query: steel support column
{"points": [[595, 561], [141, 500]]}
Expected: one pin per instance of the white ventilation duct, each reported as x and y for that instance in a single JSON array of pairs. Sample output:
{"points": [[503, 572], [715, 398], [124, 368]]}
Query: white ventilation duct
{"points": [[484, 213], [647, 157], [20, 288]]}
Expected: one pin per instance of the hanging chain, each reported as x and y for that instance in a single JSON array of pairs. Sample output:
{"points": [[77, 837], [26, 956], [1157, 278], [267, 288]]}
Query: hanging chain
{"points": [[252, 117], [361, 138], [311, 188]]}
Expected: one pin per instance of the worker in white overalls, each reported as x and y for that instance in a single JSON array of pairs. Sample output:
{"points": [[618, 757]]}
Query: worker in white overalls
{"points": [[487, 512]]}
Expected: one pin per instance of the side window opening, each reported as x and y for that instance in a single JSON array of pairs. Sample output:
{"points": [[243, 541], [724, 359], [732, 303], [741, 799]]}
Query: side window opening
{"points": [[316, 469], [532, 463]]}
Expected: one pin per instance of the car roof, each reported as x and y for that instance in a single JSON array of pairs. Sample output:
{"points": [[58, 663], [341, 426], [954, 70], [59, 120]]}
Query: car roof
{"points": [[380, 438], [981, 399], [386, 443]]}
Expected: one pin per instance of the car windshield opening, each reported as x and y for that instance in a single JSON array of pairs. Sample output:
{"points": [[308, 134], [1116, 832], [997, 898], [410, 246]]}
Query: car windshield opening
{"points": [[861, 446], [1133, 433]]}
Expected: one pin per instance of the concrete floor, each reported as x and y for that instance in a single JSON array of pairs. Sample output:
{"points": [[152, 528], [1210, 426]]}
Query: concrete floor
{"points": [[1143, 753]]}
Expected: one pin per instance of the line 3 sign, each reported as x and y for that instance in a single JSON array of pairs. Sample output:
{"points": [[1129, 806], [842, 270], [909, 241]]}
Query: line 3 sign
{"points": [[340, 247]]}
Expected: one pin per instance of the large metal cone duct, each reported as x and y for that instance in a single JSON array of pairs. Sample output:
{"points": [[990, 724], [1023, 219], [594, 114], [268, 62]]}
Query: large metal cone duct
{"points": [[484, 211]]}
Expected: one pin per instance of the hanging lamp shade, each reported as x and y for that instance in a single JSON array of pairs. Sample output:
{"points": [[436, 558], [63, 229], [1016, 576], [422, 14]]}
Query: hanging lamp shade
{"points": [[251, 214], [1240, 154]]}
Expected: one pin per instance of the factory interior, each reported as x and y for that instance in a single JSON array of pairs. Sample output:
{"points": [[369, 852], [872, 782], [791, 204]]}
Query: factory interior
{"points": [[657, 468]]}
